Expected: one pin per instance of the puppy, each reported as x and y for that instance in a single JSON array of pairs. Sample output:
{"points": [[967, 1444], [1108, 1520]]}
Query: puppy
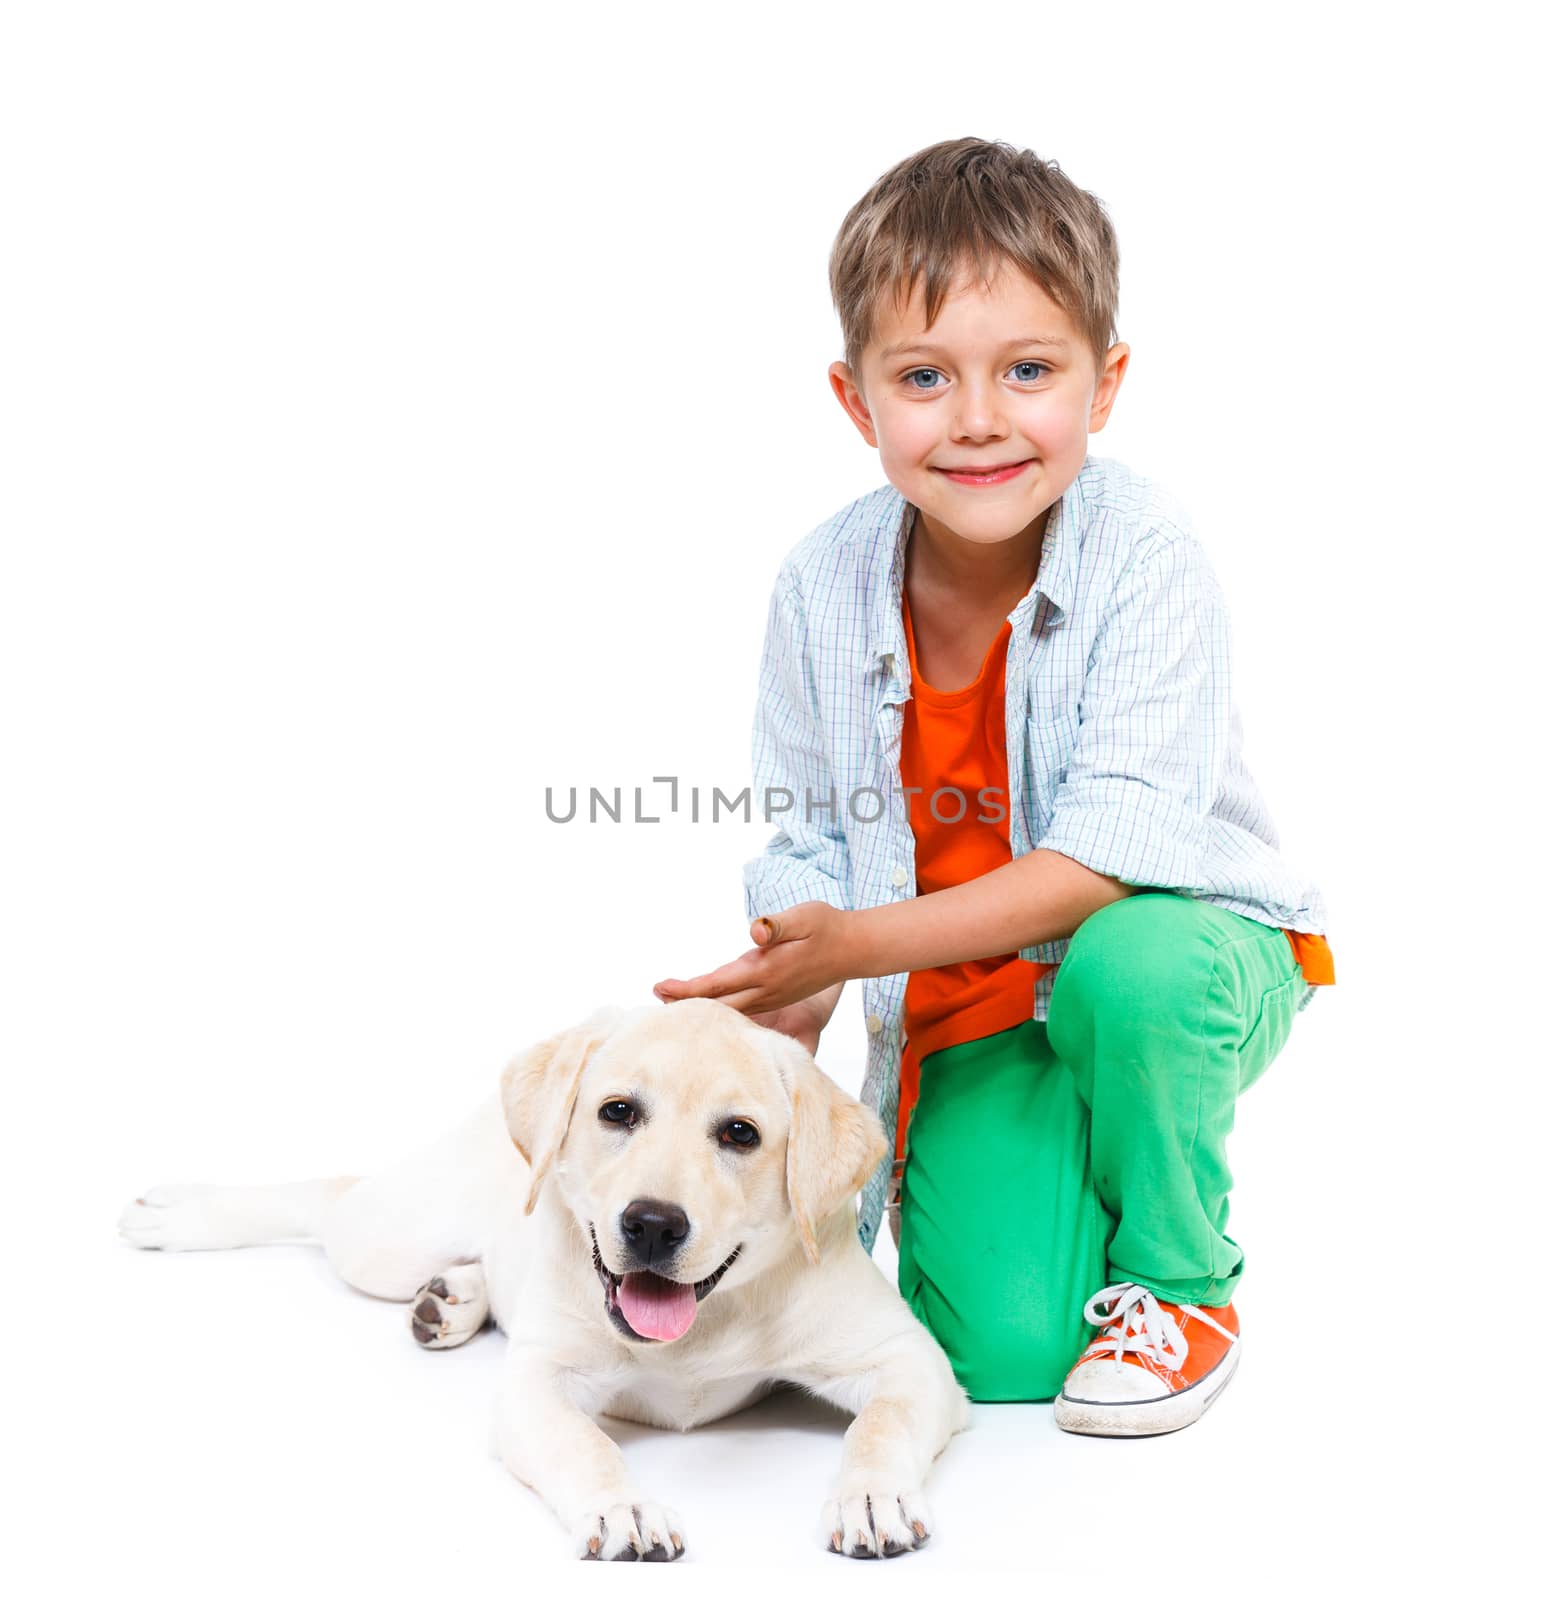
{"points": [[656, 1210]]}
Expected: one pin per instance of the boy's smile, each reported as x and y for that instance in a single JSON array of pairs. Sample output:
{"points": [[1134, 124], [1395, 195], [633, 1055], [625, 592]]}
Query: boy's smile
{"points": [[982, 420]]}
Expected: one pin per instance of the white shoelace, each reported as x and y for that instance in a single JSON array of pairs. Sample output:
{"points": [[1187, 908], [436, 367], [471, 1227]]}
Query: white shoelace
{"points": [[1142, 1326]]}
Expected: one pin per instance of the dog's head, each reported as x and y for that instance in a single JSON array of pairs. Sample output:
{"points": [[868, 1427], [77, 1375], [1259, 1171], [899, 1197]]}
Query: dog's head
{"points": [[688, 1141]]}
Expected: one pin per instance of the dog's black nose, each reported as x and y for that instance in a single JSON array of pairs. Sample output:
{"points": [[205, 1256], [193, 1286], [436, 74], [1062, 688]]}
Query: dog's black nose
{"points": [[654, 1229]]}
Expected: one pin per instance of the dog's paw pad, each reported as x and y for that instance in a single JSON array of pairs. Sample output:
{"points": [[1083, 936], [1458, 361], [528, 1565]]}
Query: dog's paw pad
{"points": [[873, 1526], [450, 1307], [647, 1531]]}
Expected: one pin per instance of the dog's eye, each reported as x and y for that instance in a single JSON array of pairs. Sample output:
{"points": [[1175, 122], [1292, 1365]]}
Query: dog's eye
{"points": [[741, 1133], [620, 1112]]}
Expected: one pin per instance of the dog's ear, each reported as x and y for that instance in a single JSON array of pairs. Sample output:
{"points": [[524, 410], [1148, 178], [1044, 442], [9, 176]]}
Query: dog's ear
{"points": [[539, 1088], [834, 1143]]}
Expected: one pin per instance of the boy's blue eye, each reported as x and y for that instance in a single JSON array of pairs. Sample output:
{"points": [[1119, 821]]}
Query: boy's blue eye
{"points": [[927, 388]]}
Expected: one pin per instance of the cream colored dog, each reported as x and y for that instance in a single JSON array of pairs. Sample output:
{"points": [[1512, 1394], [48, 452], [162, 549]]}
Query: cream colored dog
{"points": [[693, 1246]]}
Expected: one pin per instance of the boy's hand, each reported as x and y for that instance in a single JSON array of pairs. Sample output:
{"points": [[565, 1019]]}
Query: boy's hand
{"points": [[804, 1020], [798, 953]]}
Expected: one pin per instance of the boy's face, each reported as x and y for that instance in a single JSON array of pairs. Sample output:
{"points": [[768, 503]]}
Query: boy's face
{"points": [[1002, 377]]}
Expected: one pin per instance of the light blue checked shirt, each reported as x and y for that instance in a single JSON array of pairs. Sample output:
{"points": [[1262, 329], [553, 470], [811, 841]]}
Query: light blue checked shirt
{"points": [[1124, 749]]}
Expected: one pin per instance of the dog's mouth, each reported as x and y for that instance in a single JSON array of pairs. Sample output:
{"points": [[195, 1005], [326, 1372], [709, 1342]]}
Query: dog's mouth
{"points": [[647, 1305]]}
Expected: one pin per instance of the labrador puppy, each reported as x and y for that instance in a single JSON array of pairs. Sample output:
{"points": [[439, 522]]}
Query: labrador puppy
{"points": [[656, 1210]]}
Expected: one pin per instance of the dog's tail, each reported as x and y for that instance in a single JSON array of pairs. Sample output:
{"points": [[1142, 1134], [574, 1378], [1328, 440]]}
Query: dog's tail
{"points": [[210, 1217]]}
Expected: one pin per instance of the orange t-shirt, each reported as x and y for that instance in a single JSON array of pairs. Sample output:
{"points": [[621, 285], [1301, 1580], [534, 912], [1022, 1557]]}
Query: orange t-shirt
{"points": [[958, 741]]}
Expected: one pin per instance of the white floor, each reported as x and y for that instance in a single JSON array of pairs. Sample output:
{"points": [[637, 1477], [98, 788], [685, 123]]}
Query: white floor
{"points": [[243, 1423], [233, 1423]]}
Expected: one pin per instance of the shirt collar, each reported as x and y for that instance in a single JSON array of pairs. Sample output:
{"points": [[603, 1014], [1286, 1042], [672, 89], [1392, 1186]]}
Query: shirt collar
{"points": [[1057, 578]]}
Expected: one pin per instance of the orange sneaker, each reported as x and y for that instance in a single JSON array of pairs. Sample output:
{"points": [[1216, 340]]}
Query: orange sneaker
{"points": [[1160, 1366]]}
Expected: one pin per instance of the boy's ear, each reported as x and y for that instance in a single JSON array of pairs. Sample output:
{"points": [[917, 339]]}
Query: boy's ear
{"points": [[834, 1143], [844, 385], [539, 1088], [1107, 385]]}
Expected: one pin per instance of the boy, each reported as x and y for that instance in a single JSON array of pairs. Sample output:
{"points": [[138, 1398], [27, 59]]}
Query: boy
{"points": [[996, 712]]}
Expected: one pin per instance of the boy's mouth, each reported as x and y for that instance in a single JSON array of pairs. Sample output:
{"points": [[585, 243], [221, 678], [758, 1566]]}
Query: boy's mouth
{"points": [[999, 473]]}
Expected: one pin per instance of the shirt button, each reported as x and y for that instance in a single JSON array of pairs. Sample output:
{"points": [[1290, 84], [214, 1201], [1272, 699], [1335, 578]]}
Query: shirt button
{"points": [[875, 1022], [898, 877]]}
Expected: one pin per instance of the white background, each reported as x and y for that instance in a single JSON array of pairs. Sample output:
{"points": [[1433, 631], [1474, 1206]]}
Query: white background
{"points": [[406, 409]]}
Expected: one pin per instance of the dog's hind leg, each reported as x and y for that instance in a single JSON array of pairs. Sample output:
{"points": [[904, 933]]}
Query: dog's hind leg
{"points": [[447, 1310], [205, 1216], [387, 1234], [393, 1232]]}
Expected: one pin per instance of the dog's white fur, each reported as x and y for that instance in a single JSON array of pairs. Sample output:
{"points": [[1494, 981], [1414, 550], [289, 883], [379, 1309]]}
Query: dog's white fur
{"points": [[801, 1301]]}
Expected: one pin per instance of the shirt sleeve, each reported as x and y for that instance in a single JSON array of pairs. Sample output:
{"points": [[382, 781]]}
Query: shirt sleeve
{"points": [[807, 858], [1154, 726]]}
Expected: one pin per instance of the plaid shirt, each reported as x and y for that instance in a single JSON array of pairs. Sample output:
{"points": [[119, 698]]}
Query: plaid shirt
{"points": [[1124, 749]]}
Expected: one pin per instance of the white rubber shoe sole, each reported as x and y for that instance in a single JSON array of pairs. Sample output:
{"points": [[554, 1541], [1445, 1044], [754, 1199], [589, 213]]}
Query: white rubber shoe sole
{"points": [[1131, 1419]]}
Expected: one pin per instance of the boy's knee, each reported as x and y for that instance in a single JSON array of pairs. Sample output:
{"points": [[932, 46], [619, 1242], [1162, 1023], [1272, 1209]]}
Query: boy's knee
{"points": [[1132, 953]]}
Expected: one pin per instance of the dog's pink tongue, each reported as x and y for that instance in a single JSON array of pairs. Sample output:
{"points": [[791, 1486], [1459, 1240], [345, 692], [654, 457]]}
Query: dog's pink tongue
{"points": [[656, 1307]]}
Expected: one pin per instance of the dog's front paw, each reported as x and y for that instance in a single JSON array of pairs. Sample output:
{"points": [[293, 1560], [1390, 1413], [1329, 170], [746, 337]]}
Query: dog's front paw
{"points": [[450, 1307], [643, 1532], [878, 1524]]}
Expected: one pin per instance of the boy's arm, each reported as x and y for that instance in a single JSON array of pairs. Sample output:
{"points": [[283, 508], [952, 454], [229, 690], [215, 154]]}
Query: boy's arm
{"points": [[807, 858], [804, 860], [1152, 747], [1032, 900]]}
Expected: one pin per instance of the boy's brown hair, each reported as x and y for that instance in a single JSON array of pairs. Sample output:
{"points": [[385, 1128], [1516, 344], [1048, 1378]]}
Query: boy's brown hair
{"points": [[979, 200]]}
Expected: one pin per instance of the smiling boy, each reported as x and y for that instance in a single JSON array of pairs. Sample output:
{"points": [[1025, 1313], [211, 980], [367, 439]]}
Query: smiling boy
{"points": [[996, 706]]}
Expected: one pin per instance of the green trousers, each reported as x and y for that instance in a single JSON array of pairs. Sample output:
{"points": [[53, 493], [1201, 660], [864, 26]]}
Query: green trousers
{"points": [[1050, 1160]]}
